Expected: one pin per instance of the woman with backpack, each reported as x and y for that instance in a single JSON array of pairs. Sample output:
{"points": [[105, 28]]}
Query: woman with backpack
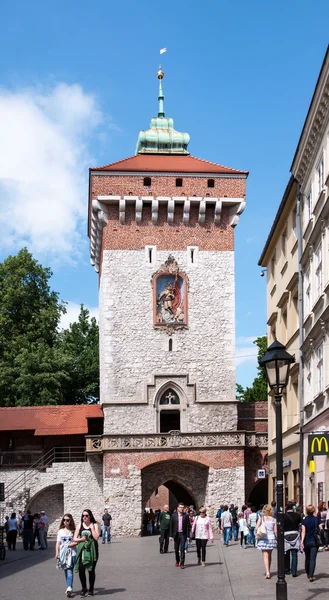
{"points": [[310, 541]]}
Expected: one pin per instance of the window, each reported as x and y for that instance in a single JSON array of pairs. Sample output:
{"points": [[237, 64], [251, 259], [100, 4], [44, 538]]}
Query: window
{"points": [[170, 411], [319, 368], [318, 271], [294, 299], [170, 345], [284, 318], [308, 382], [286, 488], [274, 488], [273, 266], [150, 254], [147, 181], [284, 244], [296, 475], [179, 182], [307, 291], [294, 222], [211, 183], [319, 175], [309, 205]]}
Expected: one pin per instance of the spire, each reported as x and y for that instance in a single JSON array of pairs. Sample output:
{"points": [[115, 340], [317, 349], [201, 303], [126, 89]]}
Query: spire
{"points": [[162, 138], [161, 96]]}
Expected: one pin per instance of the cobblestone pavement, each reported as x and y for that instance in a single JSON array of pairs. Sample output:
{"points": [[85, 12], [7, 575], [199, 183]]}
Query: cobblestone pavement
{"points": [[134, 569]]}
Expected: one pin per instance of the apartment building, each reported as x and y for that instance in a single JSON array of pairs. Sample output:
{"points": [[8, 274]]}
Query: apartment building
{"points": [[310, 168], [280, 258], [297, 261]]}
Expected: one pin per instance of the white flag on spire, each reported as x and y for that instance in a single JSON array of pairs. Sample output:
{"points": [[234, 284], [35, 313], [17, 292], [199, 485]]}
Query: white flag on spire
{"points": [[163, 50]]}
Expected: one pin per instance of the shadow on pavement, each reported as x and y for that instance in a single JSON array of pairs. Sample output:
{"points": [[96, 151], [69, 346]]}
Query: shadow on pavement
{"points": [[104, 592], [21, 559], [317, 592]]}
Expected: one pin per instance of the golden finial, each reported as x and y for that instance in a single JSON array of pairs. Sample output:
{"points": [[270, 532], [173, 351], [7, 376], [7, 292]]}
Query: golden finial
{"points": [[160, 73]]}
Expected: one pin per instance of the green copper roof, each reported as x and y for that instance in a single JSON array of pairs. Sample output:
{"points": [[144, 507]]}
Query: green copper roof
{"points": [[162, 138]]}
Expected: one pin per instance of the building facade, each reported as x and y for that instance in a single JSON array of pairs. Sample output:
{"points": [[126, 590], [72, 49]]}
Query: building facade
{"points": [[280, 259], [296, 258]]}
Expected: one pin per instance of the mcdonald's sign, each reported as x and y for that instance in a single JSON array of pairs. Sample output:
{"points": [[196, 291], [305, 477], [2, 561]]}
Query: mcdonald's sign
{"points": [[318, 444]]}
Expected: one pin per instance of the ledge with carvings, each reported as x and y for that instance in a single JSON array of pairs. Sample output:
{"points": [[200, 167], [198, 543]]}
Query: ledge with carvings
{"points": [[174, 440]]}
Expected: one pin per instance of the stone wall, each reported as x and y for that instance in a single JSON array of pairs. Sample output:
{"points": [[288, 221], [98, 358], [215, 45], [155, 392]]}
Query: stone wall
{"points": [[81, 485], [132, 351]]}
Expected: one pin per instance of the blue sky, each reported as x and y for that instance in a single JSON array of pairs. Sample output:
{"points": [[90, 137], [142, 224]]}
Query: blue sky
{"points": [[78, 82]]}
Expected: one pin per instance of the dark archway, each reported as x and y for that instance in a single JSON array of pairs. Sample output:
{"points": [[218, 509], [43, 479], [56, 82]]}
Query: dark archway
{"points": [[177, 493], [259, 493]]}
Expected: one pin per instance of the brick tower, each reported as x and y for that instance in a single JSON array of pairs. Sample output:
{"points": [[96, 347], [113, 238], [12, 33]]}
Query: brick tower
{"points": [[161, 226]]}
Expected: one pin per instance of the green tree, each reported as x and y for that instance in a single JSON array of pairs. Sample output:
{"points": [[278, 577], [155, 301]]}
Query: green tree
{"points": [[79, 346], [30, 366], [258, 391]]}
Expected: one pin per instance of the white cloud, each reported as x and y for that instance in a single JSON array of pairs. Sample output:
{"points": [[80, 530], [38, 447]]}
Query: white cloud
{"points": [[246, 351], [43, 168], [72, 314]]}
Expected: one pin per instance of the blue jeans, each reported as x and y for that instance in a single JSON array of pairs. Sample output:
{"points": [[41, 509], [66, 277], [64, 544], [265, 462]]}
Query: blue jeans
{"points": [[291, 561], [310, 559], [227, 533], [69, 574], [251, 537], [106, 531], [236, 531]]}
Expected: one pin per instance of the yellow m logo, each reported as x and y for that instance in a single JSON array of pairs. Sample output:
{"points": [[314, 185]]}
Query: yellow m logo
{"points": [[319, 441]]}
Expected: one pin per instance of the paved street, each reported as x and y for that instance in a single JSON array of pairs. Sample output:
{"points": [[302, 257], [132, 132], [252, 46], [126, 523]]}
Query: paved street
{"points": [[133, 568]]}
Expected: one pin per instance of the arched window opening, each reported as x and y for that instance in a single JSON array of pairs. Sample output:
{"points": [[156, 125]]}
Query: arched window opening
{"points": [[147, 181], [169, 421], [211, 183]]}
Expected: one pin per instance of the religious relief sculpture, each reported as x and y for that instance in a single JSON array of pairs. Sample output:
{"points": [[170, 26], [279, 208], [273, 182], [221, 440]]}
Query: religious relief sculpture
{"points": [[170, 296]]}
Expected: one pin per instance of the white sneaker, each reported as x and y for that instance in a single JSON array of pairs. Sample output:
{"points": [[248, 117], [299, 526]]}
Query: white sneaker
{"points": [[69, 592]]}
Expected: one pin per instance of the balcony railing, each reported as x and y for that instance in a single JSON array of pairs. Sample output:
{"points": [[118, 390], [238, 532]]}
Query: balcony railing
{"points": [[174, 440]]}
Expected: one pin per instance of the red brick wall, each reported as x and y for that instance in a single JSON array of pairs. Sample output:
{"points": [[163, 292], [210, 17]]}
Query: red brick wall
{"points": [[219, 459], [252, 416], [133, 185], [174, 236]]}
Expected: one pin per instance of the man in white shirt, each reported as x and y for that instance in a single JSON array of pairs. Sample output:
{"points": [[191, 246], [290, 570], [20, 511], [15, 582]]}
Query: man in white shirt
{"points": [[226, 523]]}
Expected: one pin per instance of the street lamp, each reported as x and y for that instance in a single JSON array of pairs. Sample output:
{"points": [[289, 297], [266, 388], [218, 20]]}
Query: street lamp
{"points": [[276, 363]]}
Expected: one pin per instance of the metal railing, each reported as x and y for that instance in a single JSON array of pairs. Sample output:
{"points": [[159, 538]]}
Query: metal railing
{"points": [[55, 455]]}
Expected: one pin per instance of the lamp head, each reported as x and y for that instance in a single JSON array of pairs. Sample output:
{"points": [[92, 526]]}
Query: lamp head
{"points": [[276, 362]]}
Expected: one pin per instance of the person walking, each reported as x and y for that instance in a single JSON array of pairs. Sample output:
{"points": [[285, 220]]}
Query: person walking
{"points": [[66, 550], [164, 521], [27, 531], [45, 530], [308, 542], [226, 524], [266, 540], [235, 527], [291, 525], [322, 514], [106, 529], [12, 532], [243, 530], [202, 531], [252, 522], [42, 529], [179, 531], [87, 535]]}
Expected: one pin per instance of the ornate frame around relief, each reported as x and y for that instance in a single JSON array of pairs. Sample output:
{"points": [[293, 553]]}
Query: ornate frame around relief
{"points": [[170, 290]]}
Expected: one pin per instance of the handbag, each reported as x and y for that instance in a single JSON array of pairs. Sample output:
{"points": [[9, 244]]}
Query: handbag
{"points": [[317, 537], [261, 531]]}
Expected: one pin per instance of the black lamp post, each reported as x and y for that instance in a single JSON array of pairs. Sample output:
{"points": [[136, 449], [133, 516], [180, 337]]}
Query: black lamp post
{"points": [[276, 363]]}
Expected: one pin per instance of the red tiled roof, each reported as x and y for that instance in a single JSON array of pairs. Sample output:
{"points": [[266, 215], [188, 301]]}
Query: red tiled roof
{"points": [[168, 163], [49, 420]]}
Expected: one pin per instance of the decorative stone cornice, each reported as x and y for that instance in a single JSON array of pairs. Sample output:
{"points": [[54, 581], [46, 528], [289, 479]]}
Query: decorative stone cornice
{"points": [[314, 128], [174, 440], [99, 213]]}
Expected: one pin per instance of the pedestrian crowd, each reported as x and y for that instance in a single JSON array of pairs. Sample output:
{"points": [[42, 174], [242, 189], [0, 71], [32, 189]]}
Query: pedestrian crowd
{"points": [[77, 545]]}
